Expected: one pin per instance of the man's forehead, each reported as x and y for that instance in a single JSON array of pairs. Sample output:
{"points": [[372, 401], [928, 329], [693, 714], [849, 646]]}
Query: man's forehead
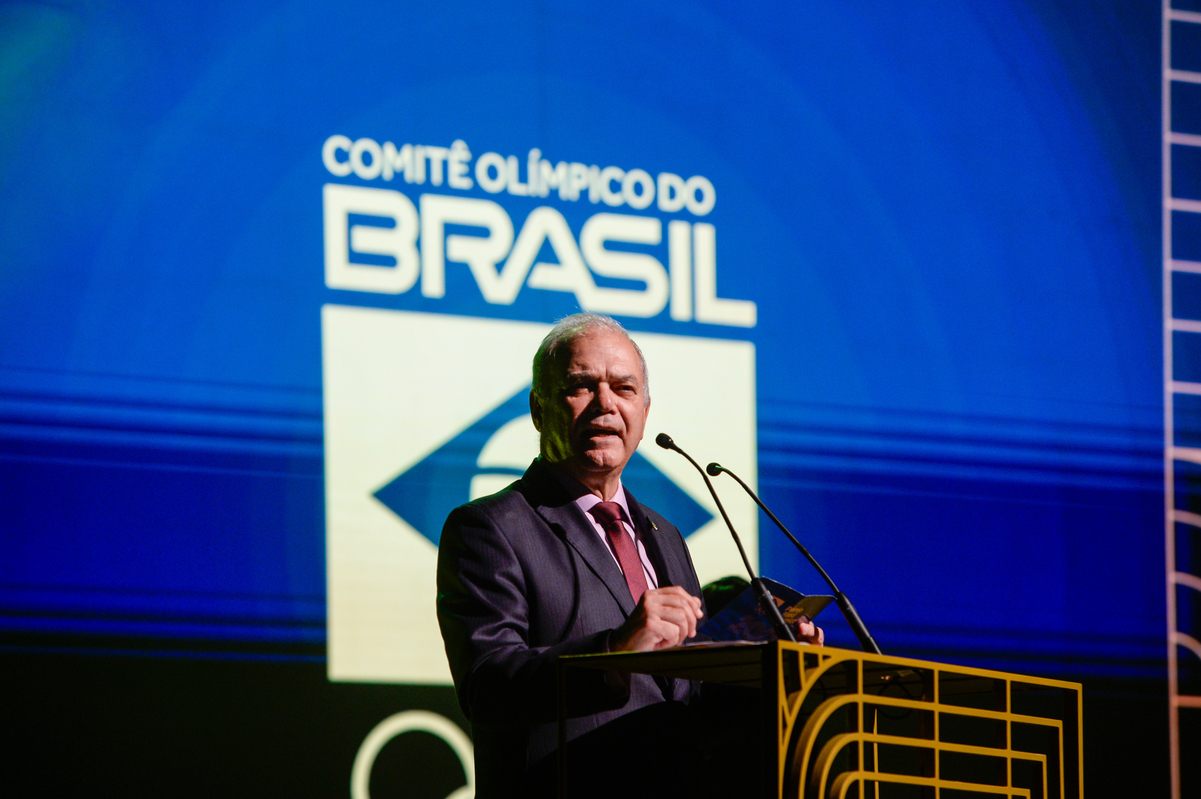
{"points": [[601, 351], [597, 362]]}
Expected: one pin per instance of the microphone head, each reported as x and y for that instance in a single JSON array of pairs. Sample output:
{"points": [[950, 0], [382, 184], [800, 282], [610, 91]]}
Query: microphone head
{"points": [[665, 441], [714, 469]]}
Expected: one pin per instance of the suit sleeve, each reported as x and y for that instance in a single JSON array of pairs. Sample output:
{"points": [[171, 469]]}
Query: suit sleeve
{"points": [[484, 615]]}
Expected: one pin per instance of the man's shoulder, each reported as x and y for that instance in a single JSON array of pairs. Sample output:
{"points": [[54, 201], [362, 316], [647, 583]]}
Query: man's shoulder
{"points": [[521, 509], [521, 496], [513, 496]]}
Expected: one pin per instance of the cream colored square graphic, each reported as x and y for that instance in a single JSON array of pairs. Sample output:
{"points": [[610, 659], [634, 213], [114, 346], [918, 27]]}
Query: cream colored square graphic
{"points": [[399, 385]]}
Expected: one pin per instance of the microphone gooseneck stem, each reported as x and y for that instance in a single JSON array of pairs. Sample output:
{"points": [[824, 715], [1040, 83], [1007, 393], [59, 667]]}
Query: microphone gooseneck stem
{"points": [[842, 600], [770, 607]]}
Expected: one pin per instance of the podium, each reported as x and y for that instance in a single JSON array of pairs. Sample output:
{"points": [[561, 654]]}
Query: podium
{"points": [[842, 723]]}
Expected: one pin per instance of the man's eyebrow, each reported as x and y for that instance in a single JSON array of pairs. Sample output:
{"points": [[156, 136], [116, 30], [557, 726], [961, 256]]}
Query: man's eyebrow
{"points": [[630, 378]]}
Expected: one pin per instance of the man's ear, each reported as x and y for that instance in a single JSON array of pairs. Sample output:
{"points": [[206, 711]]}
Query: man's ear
{"points": [[536, 411]]}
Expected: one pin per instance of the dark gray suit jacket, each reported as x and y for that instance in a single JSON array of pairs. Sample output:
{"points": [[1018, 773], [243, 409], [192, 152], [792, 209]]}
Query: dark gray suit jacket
{"points": [[523, 577]]}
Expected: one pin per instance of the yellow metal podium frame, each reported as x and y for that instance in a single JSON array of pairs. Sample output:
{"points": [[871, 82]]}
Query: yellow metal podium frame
{"points": [[825, 710]]}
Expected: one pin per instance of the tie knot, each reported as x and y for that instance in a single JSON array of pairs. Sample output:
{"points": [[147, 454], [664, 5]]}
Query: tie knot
{"points": [[608, 514]]}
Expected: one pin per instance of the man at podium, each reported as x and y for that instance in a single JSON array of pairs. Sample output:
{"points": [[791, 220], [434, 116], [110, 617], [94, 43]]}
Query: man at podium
{"points": [[566, 561]]}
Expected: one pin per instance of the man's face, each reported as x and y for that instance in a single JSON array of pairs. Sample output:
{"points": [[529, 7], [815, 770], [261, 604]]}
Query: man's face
{"points": [[594, 417]]}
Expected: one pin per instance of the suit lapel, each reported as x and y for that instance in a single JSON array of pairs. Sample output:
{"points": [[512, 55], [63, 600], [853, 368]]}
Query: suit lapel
{"points": [[552, 503], [668, 568], [582, 537], [558, 510]]}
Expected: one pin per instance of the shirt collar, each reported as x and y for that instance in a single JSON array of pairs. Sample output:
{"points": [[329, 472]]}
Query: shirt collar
{"points": [[588, 501], [585, 500]]}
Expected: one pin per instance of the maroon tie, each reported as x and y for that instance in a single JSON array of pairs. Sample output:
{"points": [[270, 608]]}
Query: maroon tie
{"points": [[608, 514]]}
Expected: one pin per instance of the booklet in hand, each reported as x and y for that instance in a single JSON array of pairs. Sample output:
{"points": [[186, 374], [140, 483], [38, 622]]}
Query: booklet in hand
{"points": [[744, 620]]}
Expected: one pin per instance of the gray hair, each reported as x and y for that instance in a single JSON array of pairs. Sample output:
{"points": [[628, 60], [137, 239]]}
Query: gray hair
{"points": [[561, 336]]}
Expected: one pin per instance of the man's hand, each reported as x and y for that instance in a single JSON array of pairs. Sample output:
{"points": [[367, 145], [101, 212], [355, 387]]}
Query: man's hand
{"points": [[808, 633], [664, 617]]}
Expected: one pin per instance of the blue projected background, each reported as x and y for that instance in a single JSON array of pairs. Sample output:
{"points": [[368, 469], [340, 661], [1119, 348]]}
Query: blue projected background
{"points": [[946, 217]]}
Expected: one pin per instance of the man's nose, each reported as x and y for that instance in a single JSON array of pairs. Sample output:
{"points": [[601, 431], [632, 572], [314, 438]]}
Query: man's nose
{"points": [[605, 398]]}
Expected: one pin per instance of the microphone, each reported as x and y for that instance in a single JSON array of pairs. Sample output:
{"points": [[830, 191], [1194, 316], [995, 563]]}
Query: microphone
{"points": [[783, 631], [844, 603]]}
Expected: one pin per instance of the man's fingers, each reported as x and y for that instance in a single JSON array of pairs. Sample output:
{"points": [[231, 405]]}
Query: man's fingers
{"points": [[675, 603], [682, 621], [664, 617], [808, 632], [662, 633], [669, 635]]}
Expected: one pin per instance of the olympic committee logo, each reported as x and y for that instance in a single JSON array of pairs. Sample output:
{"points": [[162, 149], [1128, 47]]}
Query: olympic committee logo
{"points": [[424, 412]]}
